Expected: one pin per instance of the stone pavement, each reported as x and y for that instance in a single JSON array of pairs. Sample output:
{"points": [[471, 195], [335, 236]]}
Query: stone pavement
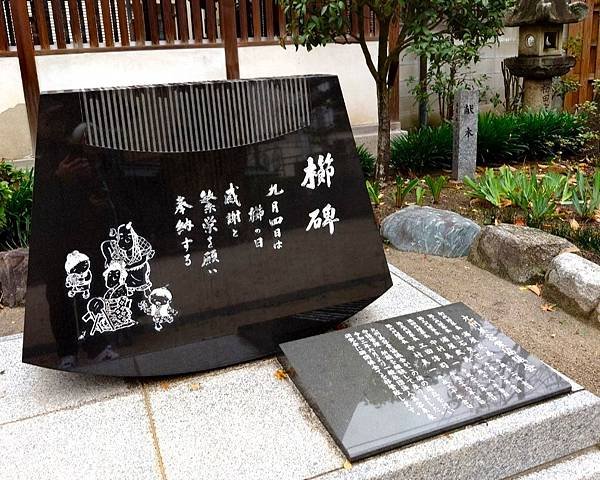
{"points": [[244, 423]]}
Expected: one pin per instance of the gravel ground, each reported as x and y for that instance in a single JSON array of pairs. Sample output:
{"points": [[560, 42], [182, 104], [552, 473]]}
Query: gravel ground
{"points": [[11, 320], [562, 341]]}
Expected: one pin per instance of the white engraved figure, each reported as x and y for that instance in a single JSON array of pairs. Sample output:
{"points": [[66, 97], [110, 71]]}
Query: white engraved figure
{"points": [[274, 190], [231, 197], [210, 257], [326, 170], [206, 199], [79, 276], [328, 219], [313, 177], [209, 225], [132, 251], [181, 205], [310, 174], [113, 311], [256, 213], [185, 225], [158, 306]]}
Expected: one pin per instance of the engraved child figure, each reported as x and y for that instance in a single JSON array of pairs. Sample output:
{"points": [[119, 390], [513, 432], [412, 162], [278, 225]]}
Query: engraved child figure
{"points": [[117, 306], [79, 276], [134, 252], [158, 306]]}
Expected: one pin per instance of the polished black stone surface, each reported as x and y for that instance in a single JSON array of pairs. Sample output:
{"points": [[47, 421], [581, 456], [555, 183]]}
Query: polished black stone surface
{"points": [[386, 384], [180, 228]]}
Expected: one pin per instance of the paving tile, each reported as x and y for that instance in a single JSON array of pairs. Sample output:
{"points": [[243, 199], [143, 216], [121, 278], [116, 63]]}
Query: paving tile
{"points": [[105, 440], [239, 423], [26, 391], [405, 296]]}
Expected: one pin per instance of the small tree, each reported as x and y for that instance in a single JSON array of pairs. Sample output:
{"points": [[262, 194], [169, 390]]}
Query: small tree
{"points": [[423, 26]]}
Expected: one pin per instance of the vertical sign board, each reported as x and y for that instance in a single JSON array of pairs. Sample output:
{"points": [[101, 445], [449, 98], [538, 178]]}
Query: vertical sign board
{"points": [[186, 227], [464, 153]]}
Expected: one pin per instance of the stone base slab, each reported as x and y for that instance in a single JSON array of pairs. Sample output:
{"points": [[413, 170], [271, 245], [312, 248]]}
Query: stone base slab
{"points": [[244, 423]]}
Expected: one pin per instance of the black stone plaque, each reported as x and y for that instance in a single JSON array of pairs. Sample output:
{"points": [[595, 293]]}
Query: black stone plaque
{"points": [[389, 383], [185, 227]]}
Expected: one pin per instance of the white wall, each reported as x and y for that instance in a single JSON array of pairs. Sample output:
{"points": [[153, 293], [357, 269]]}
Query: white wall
{"points": [[85, 70]]}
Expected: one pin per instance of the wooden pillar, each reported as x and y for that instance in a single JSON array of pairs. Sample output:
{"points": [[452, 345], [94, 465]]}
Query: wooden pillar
{"points": [[395, 93], [229, 38], [25, 51]]}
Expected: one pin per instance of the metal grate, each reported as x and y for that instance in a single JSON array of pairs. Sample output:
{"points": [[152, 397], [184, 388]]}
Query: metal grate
{"points": [[195, 117]]}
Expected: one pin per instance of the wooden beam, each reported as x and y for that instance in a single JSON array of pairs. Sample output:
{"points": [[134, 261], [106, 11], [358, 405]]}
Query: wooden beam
{"points": [[29, 77], [229, 37]]}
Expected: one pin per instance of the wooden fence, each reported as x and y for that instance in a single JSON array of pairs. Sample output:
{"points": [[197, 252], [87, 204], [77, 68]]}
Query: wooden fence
{"points": [[74, 26], [587, 35]]}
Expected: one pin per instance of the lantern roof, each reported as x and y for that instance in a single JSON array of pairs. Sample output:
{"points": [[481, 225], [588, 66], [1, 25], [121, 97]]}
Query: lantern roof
{"points": [[532, 12]]}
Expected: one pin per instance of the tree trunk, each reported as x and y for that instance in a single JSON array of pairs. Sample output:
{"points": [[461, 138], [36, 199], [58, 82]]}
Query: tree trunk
{"points": [[382, 169]]}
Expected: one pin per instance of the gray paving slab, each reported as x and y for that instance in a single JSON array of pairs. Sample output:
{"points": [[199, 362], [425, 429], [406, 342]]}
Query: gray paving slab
{"points": [[110, 439], [405, 296], [585, 466], [26, 391], [239, 423], [498, 448]]}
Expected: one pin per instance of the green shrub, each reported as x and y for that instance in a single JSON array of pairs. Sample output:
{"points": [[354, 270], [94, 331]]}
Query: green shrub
{"points": [[367, 161], [16, 200], [586, 194], [374, 191], [507, 138], [429, 147], [403, 188], [435, 186], [498, 140]]}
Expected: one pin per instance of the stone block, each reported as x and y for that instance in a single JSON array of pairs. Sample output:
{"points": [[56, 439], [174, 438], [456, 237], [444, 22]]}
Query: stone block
{"points": [[13, 276], [520, 254], [574, 283], [430, 230]]}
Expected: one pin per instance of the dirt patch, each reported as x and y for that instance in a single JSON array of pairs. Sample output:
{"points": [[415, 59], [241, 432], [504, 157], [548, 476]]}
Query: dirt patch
{"points": [[11, 320], [560, 340]]}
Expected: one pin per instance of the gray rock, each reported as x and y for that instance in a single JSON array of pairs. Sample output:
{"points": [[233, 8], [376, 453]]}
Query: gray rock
{"points": [[430, 230], [13, 276], [574, 283], [521, 254]]}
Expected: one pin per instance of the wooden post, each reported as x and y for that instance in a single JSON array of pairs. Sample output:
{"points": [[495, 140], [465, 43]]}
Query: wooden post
{"points": [[229, 37], [395, 93], [31, 87]]}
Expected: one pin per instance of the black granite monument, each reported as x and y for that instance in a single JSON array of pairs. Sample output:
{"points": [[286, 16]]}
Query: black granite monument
{"points": [[386, 384], [179, 228]]}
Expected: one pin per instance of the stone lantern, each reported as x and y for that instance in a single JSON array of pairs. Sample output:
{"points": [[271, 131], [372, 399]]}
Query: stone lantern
{"points": [[541, 55]]}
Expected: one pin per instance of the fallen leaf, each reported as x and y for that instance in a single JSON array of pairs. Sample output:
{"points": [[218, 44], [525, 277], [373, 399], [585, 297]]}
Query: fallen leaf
{"points": [[548, 307], [520, 222], [535, 289], [194, 387], [165, 385], [574, 224], [281, 374], [496, 222], [347, 465], [553, 335], [572, 249], [505, 203]]}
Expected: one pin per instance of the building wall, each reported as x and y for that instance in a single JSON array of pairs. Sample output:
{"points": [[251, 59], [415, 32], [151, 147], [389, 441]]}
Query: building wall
{"points": [[86, 70]]}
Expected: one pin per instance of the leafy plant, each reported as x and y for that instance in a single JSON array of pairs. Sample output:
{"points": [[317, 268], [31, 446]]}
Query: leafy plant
{"points": [[435, 185], [403, 188], [17, 228], [498, 139], [374, 191], [367, 160], [586, 194], [420, 195], [487, 187], [423, 149]]}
